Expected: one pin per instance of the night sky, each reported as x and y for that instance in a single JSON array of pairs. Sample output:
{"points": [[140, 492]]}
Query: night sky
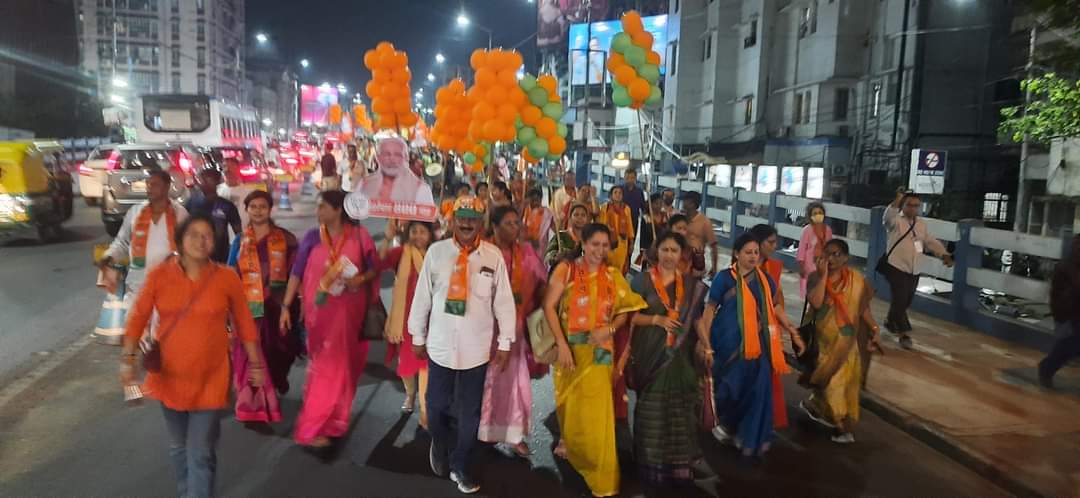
{"points": [[334, 34]]}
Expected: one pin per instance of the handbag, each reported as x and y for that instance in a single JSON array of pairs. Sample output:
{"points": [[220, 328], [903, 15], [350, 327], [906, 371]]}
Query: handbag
{"points": [[151, 346], [374, 322], [883, 265], [541, 339], [807, 362]]}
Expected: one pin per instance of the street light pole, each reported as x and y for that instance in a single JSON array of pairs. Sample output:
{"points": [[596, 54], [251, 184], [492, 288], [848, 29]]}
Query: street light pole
{"points": [[1020, 221]]}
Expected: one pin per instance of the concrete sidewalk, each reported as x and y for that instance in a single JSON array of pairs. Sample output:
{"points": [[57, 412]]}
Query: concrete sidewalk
{"points": [[976, 399]]}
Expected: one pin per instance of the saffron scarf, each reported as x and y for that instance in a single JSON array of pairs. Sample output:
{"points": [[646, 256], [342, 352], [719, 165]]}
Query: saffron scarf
{"points": [[843, 319], [333, 266], [661, 292], [534, 219], [620, 224], [411, 259], [458, 293], [751, 317], [584, 314], [251, 270], [141, 234]]}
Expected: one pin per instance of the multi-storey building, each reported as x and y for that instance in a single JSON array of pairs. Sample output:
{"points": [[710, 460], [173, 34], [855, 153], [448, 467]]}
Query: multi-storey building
{"points": [[165, 46]]}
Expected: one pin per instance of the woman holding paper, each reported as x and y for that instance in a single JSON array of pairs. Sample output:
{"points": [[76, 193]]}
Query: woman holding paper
{"points": [[336, 264]]}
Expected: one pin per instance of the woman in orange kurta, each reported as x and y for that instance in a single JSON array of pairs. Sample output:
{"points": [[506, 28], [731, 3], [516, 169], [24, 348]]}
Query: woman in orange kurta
{"points": [[193, 298]]}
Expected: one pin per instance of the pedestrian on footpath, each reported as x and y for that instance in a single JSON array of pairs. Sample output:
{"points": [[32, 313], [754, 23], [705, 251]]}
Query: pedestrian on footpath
{"points": [[749, 358], [194, 298], [846, 333], [328, 167], [634, 197], [908, 238], [586, 302], [462, 293], [700, 231], [1064, 297], [145, 238], [669, 349], [336, 265], [405, 261], [219, 209], [812, 242], [616, 215], [507, 408], [263, 255]]}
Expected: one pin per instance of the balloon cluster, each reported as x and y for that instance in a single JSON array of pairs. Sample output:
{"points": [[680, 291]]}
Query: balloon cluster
{"points": [[539, 130], [361, 120], [635, 65], [391, 97], [453, 111], [334, 114], [496, 96]]}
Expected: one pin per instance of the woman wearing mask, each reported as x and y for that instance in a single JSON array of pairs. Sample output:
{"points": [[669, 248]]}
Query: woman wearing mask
{"points": [[193, 298], [812, 242], [585, 303], [667, 336], [405, 261], [749, 359], [507, 407], [616, 215], [263, 255], [567, 242], [336, 264]]}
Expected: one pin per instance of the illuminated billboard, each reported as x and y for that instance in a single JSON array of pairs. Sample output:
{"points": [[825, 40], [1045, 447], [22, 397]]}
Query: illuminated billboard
{"points": [[554, 18], [315, 102], [600, 39]]}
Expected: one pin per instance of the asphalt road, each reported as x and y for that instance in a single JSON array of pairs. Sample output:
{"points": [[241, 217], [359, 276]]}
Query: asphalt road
{"points": [[69, 434]]}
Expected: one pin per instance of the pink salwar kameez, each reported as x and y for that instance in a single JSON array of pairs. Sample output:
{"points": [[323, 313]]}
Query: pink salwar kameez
{"points": [[507, 408], [336, 354]]}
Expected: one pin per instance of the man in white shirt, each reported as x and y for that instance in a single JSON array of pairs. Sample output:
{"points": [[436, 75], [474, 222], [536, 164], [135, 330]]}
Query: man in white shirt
{"points": [[462, 292], [562, 197]]}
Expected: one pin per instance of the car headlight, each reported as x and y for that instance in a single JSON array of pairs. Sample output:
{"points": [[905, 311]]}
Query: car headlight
{"points": [[13, 207]]}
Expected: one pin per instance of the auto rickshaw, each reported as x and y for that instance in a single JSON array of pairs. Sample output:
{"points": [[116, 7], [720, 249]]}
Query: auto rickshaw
{"points": [[32, 199]]}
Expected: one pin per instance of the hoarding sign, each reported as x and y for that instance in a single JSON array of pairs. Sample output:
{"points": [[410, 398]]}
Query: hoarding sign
{"points": [[315, 103], [599, 45]]}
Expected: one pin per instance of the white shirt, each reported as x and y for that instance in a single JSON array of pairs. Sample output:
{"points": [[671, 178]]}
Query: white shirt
{"points": [[158, 247], [462, 342]]}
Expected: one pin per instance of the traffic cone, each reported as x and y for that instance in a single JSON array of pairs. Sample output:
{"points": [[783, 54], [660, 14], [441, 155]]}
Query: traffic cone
{"points": [[284, 203], [110, 326]]}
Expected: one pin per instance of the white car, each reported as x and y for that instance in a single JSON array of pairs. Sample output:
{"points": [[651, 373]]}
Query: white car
{"points": [[92, 173]]}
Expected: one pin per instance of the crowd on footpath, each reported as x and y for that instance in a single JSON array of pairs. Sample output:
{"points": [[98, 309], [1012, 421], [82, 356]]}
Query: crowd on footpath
{"points": [[498, 291]]}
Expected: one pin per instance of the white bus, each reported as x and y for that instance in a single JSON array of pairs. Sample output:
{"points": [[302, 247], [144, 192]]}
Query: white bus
{"points": [[197, 120]]}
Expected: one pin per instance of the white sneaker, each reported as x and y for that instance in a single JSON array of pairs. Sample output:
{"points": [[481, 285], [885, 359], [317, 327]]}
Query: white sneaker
{"points": [[810, 413], [845, 438], [721, 435]]}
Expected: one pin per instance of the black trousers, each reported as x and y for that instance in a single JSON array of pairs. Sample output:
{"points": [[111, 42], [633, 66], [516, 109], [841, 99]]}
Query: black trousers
{"points": [[455, 394], [902, 287], [1064, 350]]}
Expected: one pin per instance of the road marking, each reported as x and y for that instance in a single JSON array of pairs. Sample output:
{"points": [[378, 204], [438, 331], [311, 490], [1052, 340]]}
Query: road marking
{"points": [[21, 384]]}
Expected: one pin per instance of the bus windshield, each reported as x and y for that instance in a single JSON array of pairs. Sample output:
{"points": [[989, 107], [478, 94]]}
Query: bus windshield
{"points": [[176, 113]]}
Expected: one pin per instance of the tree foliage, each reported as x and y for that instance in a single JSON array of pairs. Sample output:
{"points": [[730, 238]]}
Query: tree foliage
{"points": [[1054, 110]]}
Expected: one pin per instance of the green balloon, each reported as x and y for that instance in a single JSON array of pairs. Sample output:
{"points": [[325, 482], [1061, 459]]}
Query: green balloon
{"points": [[651, 73], [655, 97], [621, 42], [469, 158], [621, 97], [517, 123], [538, 147], [526, 135], [528, 82], [553, 157], [561, 129], [538, 96], [635, 56], [553, 110]]}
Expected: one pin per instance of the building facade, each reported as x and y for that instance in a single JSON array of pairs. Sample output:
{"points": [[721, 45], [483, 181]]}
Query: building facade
{"points": [[273, 89], [164, 46]]}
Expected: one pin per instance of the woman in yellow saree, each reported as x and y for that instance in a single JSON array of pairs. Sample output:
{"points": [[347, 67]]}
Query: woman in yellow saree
{"points": [[616, 215], [585, 303], [846, 332]]}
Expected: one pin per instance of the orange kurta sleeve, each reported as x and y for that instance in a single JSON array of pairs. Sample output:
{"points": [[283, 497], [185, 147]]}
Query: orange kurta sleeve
{"points": [[139, 315], [241, 314]]}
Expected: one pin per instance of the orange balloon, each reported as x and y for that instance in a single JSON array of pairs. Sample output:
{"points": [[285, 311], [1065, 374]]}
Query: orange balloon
{"points": [[516, 60], [381, 75], [478, 59], [456, 85], [401, 59], [408, 119], [371, 59], [509, 134], [507, 78], [547, 82], [507, 112], [637, 104], [387, 122], [530, 115], [483, 111], [386, 60], [639, 89], [390, 91], [652, 57], [546, 127], [631, 21], [557, 145], [624, 74], [643, 39], [373, 89], [492, 130], [554, 98], [616, 59], [402, 105], [476, 128], [496, 95], [479, 150], [401, 75], [485, 78], [526, 156], [382, 106], [384, 47], [517, 97]]}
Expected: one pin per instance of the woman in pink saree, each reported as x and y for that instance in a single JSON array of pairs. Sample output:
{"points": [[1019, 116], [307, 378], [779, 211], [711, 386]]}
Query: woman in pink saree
{"points": [[507, 408], [336, 264]]}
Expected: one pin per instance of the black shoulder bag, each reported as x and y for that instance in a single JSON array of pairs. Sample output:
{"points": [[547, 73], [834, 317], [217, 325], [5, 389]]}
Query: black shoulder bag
{"points": [[882, 266]]}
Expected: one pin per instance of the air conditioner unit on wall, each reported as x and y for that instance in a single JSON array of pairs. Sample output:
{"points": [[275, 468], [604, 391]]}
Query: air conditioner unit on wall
{"points": [[836, 170]]}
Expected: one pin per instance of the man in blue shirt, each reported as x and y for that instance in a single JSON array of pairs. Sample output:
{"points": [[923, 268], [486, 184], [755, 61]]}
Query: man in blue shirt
{"points": [[634, 197], [222, 211]]}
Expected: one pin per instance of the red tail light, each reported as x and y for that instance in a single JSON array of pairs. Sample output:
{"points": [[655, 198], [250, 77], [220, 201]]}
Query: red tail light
{"points": [[113, 163], [185, 162], [248, 171]]}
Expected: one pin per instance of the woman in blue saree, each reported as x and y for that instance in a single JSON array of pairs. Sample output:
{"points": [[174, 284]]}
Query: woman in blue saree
{"points": [[748, 356]]}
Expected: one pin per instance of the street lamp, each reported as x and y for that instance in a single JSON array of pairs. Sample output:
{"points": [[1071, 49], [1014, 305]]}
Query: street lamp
{"points": [[267, 122], [261, 38], [342, 88], [463, 21], [439, 58], [304, 63], [119, 83], [116, 99], [430, 77]]}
